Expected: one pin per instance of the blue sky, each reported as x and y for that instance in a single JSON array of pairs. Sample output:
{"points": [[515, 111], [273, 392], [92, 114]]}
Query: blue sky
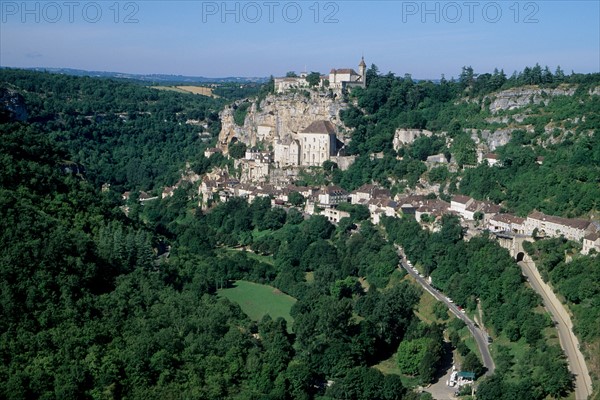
{"points": [[217, 39]]}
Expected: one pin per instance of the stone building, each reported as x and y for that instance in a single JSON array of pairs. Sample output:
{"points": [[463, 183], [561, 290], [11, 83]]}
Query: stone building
{"points": [[591, 241], [339, 79], [317, 143], [549, 225], [255, 165], [506, 223], [332, 196], [334, 215], [286, 84], [287, 152], [459, 203], [366, 192], [347, 78]]}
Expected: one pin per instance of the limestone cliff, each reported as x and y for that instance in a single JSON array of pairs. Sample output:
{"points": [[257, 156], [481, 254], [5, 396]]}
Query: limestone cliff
{"points": [[522, 96], [279, 116]]}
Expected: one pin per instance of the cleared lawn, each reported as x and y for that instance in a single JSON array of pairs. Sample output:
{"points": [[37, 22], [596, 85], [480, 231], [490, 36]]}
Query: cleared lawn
{"points": [[205, 91], [259, 300], [202, 90]]}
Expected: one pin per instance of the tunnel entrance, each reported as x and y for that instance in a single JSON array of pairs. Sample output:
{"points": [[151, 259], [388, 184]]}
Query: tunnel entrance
{"points": [[520, 256]]}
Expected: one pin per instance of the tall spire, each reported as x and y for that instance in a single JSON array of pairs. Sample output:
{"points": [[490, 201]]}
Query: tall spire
{"points": [[362, 62]]}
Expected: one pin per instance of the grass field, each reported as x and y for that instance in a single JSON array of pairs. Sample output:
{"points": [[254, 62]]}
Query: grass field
{"points": [[204, 91], [259, 300]]}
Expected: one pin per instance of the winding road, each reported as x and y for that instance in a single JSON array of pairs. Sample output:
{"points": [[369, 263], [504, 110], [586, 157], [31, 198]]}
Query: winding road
{"points": [[564, 326], [480, 336]]}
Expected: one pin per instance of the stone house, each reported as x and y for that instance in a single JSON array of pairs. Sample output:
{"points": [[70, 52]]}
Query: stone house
{"points": [[367, 192], [332, 195], [491, 158], [347, 78], [506, 223], [591, 241], [459, 203], [286, 84], [433, 208], [287, 152], [486, 208], [334, 215]]}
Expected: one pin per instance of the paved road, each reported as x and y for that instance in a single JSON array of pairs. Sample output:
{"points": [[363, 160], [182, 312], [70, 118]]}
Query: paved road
{"points": [[481, 337], [568, 340]]}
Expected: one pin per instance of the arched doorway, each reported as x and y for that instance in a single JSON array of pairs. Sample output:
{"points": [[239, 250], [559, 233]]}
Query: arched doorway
{"points": [[520, 256]]}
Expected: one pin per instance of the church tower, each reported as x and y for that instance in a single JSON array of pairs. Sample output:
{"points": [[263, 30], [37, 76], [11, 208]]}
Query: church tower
{"points": [[362, 70]]}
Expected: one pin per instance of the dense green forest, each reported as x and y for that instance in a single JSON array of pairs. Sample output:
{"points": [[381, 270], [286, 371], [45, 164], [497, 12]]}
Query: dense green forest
{"points": [[89, 312], [99, 304], [121, 133]]}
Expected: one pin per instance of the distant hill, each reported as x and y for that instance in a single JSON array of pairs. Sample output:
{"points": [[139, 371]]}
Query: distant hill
{"points": [[155, 78]]}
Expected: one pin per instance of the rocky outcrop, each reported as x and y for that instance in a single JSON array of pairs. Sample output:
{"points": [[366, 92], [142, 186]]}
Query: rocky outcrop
{"points": [[522, 96], [279, 116], [403, 137], [12, 106], [494, 139]]}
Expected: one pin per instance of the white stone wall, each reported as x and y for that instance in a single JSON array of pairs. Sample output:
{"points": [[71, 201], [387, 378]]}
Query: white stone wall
{"points": [[458, 207], [287, 154], [316, 148], [589, 245], [355, 198], [554, 229], [334, 215], [284, 84], [339, 78]]}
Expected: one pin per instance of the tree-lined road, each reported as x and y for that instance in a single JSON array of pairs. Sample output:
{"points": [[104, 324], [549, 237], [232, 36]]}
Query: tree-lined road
{"points": [[480, 336], [564, 326]]}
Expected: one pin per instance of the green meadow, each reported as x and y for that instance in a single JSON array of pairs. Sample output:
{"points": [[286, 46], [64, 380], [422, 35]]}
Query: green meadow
{"points": [[259, 300]]}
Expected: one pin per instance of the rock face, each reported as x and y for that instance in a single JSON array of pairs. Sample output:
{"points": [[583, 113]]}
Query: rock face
{"points": [[280, 117], [407, 136], [12, 106], [494, 139], [520, 97]]}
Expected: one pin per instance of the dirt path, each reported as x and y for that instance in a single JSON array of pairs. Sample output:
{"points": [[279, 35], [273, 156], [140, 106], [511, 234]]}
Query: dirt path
{"points": [[564, 326]]}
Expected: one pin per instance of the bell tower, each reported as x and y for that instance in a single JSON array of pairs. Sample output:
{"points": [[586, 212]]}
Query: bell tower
{"points": [[362, 70]]}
